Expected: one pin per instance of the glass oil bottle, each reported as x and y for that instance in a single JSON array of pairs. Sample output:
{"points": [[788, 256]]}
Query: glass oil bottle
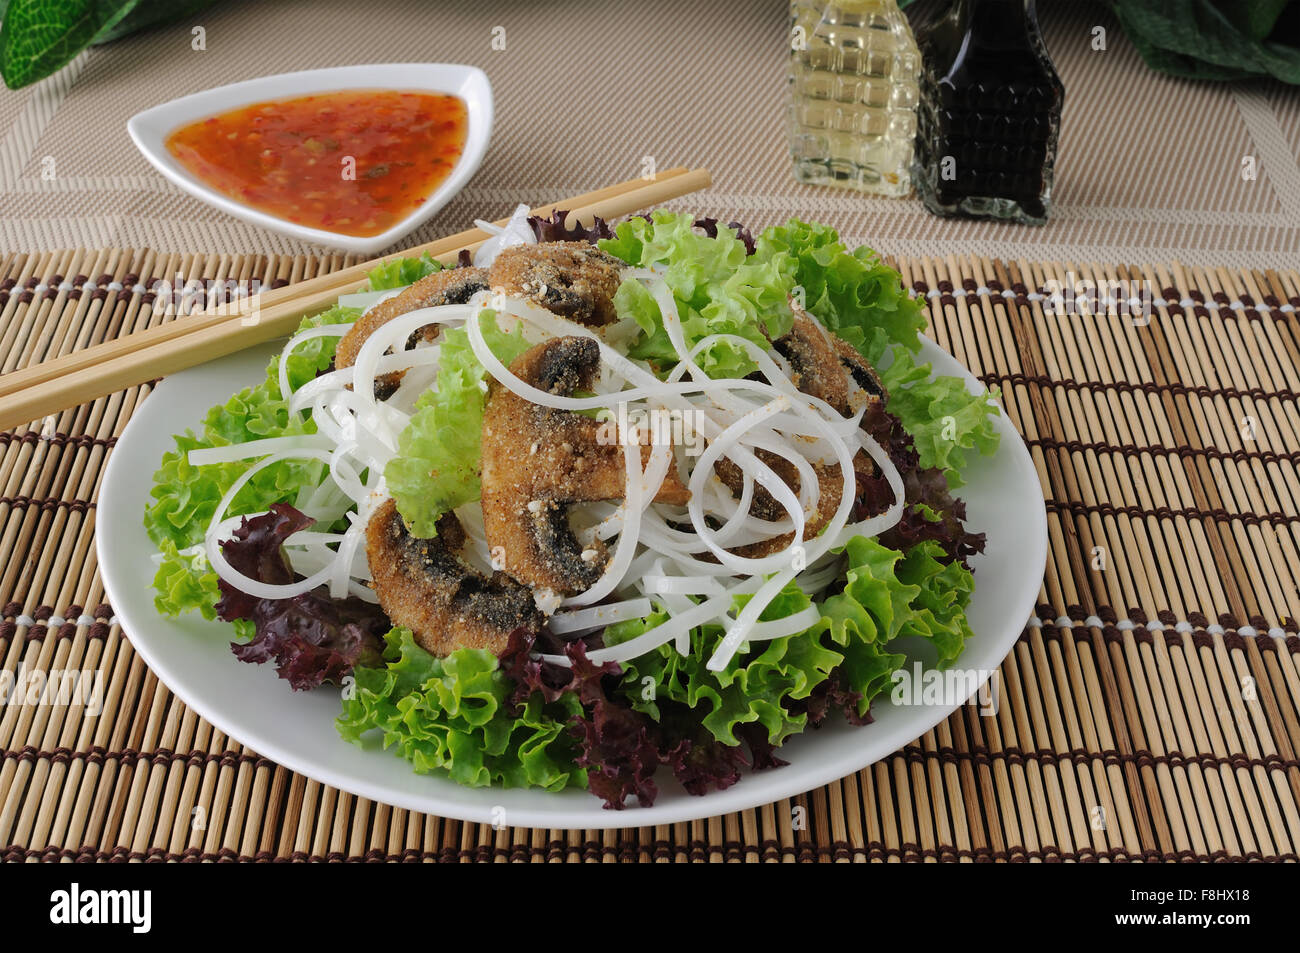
{"points": [[854, 72]]}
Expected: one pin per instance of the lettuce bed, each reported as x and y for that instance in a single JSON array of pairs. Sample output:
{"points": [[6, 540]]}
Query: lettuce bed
{"points": [[518, 722]]}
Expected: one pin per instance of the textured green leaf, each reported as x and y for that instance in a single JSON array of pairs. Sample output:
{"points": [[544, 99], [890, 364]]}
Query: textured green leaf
{"points": [[40, 36], [853, 293], [453, 715], [1202, 39], [437, 461], [887, 595], [400, 272], [152, 13], [944, 419], [752, 688], [718, 289], [1255, 17]]}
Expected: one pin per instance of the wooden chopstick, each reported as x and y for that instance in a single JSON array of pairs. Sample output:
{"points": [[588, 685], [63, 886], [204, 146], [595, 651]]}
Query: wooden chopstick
{"points": [[337, 282], [84, 375]]}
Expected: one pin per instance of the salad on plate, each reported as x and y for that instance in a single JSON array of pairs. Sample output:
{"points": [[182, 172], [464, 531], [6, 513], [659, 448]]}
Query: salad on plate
{"points": [[591, 505]]}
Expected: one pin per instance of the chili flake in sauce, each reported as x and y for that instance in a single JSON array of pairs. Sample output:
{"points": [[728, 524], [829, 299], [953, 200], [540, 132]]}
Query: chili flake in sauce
{"points": [[355, 162]]}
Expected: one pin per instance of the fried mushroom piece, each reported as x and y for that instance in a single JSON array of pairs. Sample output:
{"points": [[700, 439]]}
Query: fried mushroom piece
{"points": [[449, 286], [814, 364], [538, 461], [829, 482], [572, 279], [822, 364], [424, 585], [862, 373]]}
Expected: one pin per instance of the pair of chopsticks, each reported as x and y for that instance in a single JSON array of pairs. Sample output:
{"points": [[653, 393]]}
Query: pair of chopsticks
{"points": [[46, 388]]}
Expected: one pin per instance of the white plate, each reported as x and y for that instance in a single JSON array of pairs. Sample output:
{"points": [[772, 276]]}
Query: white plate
{"points": [[296, 729], [150, 129]]}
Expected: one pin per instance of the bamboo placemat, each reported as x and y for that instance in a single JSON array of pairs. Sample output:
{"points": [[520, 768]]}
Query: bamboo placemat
{"points": [[1149, 710]]}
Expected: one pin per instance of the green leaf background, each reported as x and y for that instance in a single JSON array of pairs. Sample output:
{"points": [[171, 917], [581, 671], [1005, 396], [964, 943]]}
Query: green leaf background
{"points": [[39, 37], [1203, 39]]}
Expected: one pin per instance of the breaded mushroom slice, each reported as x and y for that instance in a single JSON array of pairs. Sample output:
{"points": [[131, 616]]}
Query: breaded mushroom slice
{"points": [[823, 365], [449, 286], [572, 279], [424, 585], [538, 461]]}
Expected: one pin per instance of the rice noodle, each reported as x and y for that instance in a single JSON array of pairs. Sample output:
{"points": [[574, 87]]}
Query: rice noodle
{"points": [[206, 456], [788, 625], [681, 585], [594, 617], [625, 548], [516, 231], [678, 559], [328, 331]]}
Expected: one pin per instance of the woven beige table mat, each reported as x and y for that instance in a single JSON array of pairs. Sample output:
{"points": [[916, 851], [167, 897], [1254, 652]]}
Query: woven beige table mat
{"points": [[586, 93], [1149, 710]]}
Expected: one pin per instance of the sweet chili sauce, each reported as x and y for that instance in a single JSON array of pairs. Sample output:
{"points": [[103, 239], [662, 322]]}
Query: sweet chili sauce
{"points": [[355, 162]]}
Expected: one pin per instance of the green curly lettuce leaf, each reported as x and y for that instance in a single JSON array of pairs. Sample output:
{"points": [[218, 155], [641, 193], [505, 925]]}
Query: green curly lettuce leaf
{"points": [[887, 595], [752, 688], [718, 289], [184, 583], [862, 300], [184, 497], [721, 290], [400, 272], [938, 611], [453, 715], [853, 293], [437, 461], [944, 419]]}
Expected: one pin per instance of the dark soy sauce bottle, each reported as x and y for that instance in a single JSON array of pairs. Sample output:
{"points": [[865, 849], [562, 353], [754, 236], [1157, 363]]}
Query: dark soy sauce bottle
{"points": [[989, 115]]}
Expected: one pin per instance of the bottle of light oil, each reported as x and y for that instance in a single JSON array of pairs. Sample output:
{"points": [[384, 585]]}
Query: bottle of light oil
{"points": [[854, 72]]}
